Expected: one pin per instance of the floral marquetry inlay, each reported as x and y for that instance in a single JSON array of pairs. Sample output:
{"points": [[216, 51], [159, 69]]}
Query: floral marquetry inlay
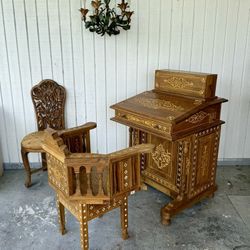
{"points": [[178, 82], [157, 104], [198, 117], [161, 158]]}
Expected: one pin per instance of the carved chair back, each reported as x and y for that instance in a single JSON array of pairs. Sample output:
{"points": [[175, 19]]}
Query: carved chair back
{"points": [[92, 178], [49, 101]]}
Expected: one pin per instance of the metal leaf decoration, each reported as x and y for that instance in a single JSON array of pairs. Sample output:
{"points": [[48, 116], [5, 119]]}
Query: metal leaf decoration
{"points": [[107, 20]]}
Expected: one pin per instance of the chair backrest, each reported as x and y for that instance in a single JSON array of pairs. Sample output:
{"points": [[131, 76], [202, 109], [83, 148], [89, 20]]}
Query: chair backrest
{"points": [[49, 101], [77, 139], [92, 178]]}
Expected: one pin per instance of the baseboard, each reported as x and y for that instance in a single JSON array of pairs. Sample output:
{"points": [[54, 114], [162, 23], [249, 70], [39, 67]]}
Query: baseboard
{"points": [[234, 161], [221, 162], [18, 165]]}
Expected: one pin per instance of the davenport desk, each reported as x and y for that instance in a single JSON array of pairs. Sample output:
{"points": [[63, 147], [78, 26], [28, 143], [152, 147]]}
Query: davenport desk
{"points": [[181, 117]]}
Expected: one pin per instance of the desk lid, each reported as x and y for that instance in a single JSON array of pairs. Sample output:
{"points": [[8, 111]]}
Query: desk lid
{"points": [[164, 107]]}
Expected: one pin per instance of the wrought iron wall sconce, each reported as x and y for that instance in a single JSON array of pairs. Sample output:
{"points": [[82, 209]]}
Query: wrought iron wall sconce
{"points": [[105, 19]]}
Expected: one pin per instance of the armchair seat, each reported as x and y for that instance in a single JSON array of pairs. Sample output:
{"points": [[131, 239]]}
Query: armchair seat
{"points": [[33, 142]]}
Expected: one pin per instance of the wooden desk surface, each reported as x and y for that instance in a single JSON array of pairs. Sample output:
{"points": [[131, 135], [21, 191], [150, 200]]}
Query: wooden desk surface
{"points": [[164, 107]]}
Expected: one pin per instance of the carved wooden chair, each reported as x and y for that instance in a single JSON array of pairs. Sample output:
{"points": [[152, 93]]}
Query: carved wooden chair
{"points": [[90, 185], [49, 101]]}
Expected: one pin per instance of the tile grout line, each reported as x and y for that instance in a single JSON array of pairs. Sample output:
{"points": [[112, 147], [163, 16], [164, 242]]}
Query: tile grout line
{"points": [[227, 195], [237, 210]]}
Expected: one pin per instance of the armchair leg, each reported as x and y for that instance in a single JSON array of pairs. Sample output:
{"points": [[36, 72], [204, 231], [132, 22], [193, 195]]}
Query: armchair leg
{"points": [[61, 216], [84, 227], [124, 217], [44, 162], [27, 168]]}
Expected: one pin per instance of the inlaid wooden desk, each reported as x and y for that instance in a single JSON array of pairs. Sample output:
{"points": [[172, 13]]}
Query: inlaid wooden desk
{"points": [[181, 117]]}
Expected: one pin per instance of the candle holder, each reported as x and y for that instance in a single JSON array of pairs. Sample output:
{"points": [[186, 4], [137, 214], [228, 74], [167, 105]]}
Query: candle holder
{"points": [[106, 19]]}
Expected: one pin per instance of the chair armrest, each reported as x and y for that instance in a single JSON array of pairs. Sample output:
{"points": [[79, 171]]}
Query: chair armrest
{"points": [[138, 149], [76, 130]]}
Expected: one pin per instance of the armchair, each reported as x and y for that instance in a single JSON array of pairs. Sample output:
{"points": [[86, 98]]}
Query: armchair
{"points": [[89, 185]]}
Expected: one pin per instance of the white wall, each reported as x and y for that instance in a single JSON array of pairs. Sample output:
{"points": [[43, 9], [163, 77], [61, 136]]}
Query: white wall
{"points": [[46, 39]]}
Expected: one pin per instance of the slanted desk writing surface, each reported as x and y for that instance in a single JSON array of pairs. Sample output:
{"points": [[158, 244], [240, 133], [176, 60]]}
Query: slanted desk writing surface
{"points": [[181, 116]]}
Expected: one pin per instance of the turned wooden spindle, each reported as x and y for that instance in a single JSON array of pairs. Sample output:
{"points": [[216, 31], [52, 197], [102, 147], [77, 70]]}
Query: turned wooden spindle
{"points": [[100, 190], [77, 173], [89, 191]]}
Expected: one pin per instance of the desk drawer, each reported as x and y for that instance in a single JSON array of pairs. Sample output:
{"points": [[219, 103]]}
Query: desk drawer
{"points": [[146, 123]]}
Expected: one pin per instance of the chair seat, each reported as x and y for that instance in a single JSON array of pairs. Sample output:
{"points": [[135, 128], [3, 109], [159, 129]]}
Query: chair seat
{"points": [[33, 142]]}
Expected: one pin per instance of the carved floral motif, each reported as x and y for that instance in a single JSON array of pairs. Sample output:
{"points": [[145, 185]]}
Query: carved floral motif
{"points": [[161, 157]]}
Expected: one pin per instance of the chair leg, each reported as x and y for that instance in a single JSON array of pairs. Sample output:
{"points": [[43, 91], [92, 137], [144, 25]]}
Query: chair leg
{"points": [[84, 227], [124, 217], [27, 168], [61, 216]]}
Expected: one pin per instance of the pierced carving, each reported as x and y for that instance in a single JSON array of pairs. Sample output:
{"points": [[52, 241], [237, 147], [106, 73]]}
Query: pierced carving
{"points": [[157, 104], [198, 117], [178, 82], [161, 157], [49, 99]]}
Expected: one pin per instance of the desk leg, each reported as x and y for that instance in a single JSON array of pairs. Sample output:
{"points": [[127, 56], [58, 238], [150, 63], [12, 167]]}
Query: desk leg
{"points": [[182, 202], [27, 168], [171, 209]]}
